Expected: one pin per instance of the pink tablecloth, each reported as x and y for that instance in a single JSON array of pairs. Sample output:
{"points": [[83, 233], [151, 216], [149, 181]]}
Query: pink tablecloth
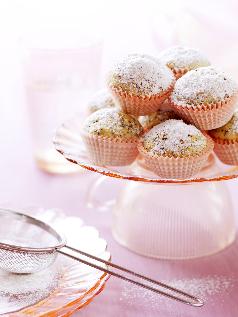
{"points": [[23, 185]]}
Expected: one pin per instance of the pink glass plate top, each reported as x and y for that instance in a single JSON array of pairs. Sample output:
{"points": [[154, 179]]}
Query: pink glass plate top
{"points": [[77, 283], [68, 142]]}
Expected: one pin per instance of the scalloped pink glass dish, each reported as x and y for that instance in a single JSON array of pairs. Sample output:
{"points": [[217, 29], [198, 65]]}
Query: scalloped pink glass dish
{"points": [[68, 142], [75, 284], [151, 215]]}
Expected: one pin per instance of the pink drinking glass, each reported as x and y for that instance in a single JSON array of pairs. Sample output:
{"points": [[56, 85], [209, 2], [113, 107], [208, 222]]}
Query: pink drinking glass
{"points": [[58, 83]]}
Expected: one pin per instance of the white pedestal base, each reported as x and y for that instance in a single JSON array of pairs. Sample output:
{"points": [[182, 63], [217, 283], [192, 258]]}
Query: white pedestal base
{"points": [[174, 221]]}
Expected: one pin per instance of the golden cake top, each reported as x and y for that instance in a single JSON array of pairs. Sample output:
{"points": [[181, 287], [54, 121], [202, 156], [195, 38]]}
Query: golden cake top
{"points": [[155, 118], [203, 85], [140, 74], [112, 123], [174, 138], [229, 131]]}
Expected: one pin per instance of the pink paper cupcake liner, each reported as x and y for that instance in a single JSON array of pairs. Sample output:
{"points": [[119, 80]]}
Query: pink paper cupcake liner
{"points": [[179, 72], [140, 105], [226, 151], [166, 105], [110, 151], [207, 116], [177, 168]]}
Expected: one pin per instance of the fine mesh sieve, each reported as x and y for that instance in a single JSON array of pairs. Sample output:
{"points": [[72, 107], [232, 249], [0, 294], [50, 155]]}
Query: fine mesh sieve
{"points": [[22, 255]]}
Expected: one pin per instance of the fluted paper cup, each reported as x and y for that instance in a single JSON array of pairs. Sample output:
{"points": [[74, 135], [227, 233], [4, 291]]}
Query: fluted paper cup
{"points": [[226, 150], [110, 151], [140, 105], [207, 116], [179, 72]]}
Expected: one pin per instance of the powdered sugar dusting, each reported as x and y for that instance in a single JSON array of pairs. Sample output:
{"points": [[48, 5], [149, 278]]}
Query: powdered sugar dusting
{"points": [[112, 122], [183, 57], [209, 285], [174, 138], [102, 99], [141, 74], [203, 85], [18, 291], [203, 287]]}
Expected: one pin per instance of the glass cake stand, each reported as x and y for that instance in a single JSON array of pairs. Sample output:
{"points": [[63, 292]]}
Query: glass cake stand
{"points": [[163, 218]]}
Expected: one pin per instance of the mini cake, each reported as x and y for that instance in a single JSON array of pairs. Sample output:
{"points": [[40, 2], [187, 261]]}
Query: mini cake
{"points": [[140, 83], [102, 99], [111, 137], [205, 97], [182, 59], [174, 149], [226, 141], [149, 121]]}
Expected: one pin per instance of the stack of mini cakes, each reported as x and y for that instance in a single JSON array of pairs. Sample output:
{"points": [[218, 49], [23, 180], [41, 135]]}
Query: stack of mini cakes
{"points": [[171, 109]]}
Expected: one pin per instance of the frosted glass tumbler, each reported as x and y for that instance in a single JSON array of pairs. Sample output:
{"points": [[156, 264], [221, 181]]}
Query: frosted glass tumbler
{"points": [[58, 84]]}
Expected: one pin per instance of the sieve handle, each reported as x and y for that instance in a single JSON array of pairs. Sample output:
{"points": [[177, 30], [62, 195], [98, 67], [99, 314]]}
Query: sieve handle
{"points": [[132, 277]]}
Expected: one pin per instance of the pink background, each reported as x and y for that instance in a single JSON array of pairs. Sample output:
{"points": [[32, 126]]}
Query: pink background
{"points": [[209, 25]]}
